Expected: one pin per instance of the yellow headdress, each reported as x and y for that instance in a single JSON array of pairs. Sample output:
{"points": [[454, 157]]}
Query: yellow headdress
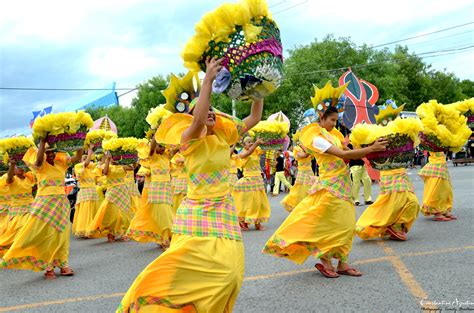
{"points": [[388, 112], [328, 97], [181, 91]]}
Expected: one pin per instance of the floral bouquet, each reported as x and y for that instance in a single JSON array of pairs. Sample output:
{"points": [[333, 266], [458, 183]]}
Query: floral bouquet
{"points": [[272, 133], [95, 137], [123, 150], [402, 137], [64, 131], [444, 127], [248, 40], [15, 148]]}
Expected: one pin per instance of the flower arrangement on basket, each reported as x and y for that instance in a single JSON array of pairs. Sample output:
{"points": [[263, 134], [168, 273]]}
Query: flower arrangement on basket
{"points": [[95, 137], [14, 149], [64, 131], [444, 127], [248, 40], [273, 134], [402, 137], [123, 150]]}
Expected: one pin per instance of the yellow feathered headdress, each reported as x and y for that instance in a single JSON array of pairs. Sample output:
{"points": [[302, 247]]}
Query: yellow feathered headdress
{"points": [[327, 97], [181, 91]]}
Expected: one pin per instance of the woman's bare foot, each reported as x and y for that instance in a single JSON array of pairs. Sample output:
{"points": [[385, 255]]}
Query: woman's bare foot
{"points": [[67, 271], [49, 275], [345, 269], [259, 226], [110, 238]]}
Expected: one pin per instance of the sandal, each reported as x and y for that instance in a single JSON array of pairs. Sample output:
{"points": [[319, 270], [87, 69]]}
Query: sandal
{"points": [[451, 217], [441, 218], [110, 238], [350, 271], [259, 227], [395, 235], [244, 226], [49, 275], [124, 239], [329, 273], [67, 271]]}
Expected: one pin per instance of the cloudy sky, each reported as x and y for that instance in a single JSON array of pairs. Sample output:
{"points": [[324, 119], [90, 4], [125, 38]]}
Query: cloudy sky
{"points": [[90, 44]]}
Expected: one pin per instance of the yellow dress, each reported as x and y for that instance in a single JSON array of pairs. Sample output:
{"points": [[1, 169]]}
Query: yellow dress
{"points": [[4, 203], [249, 192], [153, 222], [396, 206], [438, 193], [87, 202], [323, 224], [178, 181], [132, 191], [234, 166], [114, 214], [203, 269], [21, 198], [101, 186], [43, 242], [304, 180]]}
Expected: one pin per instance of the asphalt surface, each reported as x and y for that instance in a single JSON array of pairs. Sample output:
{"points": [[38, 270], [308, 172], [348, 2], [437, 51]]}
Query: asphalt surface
{"points": [[435, 264]]}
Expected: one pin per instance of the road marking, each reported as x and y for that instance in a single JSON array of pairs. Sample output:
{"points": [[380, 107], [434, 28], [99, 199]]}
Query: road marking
{"points": [[405, 275], [407, 278]]}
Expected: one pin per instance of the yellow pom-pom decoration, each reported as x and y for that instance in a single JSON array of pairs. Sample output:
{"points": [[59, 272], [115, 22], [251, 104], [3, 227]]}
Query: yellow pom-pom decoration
{"points": [[156, 116], [327, 96], [96, 136], [273, 134]]}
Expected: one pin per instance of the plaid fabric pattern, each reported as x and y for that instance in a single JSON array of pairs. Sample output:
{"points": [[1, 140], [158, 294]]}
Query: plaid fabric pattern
{"points": [[435, 170], [85, 181], [19, 209], [215, 217], [254, 168], [151, 300], [4, 209], [326, 167], [87, 194], [395, 183], [119, 196], [158, 172], [115, 181], [133, 189], [180, 185], [50, 182], [212, 178], [249, 184], [339, 186], [52, 209], [160, 192], [39, 265], [4, 199], [233, 180], [305, 178]]}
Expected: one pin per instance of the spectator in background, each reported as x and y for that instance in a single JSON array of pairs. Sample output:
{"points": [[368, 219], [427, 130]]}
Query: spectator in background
{"points": [[359, 173], [280, 173], [470, 146]]}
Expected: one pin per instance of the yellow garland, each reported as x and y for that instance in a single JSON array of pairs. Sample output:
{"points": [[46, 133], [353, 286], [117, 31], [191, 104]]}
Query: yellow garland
{"points": [[364, 134], [60, 123], [98, 135], [9, 144], [157, 115], [279, 128], [463, 106], [445, 123], [219, 24], [125, 144]]}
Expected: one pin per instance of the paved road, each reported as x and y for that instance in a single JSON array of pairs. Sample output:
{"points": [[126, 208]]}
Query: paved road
{"points": [[436, 263]]}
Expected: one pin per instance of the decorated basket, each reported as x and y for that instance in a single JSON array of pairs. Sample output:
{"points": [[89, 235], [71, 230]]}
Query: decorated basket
{"points": [[123, 150], [15, 148], [401, 136], [444, 127], [399, 154], [272, 133], [248, 40], [64, 131], [95, 137]]}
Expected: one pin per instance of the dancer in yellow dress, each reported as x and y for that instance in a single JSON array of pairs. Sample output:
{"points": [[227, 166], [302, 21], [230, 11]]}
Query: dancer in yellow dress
{"points": [[249, 192], [234, 166], [203, 269], [323, 224], [438, 192], [153, 222], [394, 211], [179, 184], [132, 190], [21, 198], [304, 180], [4, 203], [87, 202], [43, 242], [114, 214]]}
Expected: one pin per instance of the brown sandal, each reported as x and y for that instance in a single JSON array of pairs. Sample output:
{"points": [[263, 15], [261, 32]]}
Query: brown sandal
{"points": [[67, 271], [350, 271], [244, 226], [395, 235], [329, 273], [110, 238], [49, 275], [259, 227]]}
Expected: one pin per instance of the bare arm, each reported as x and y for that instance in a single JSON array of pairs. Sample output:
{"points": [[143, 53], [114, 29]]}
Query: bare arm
{"points": [[77, 156], [378, 145], [105, 170], [248, 152], [40, 153], [89, 157], [152, 145], [201, 110], [255, 114], [302, 155], [11, 172]]}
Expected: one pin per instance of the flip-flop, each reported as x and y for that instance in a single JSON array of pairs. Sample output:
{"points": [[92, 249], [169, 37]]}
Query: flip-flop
{"points": [[49, 275], [350, 272], [259, 227], [394, 235], [326, 272], [441, 219], [451, 217], [69, 272]]}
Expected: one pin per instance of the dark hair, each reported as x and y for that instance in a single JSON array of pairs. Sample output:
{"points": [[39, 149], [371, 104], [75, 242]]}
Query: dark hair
{"points": [[328, 112]]}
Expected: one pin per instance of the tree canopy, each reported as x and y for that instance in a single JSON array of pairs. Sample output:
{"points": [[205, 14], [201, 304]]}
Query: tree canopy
{"points": [[399, 74]]}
